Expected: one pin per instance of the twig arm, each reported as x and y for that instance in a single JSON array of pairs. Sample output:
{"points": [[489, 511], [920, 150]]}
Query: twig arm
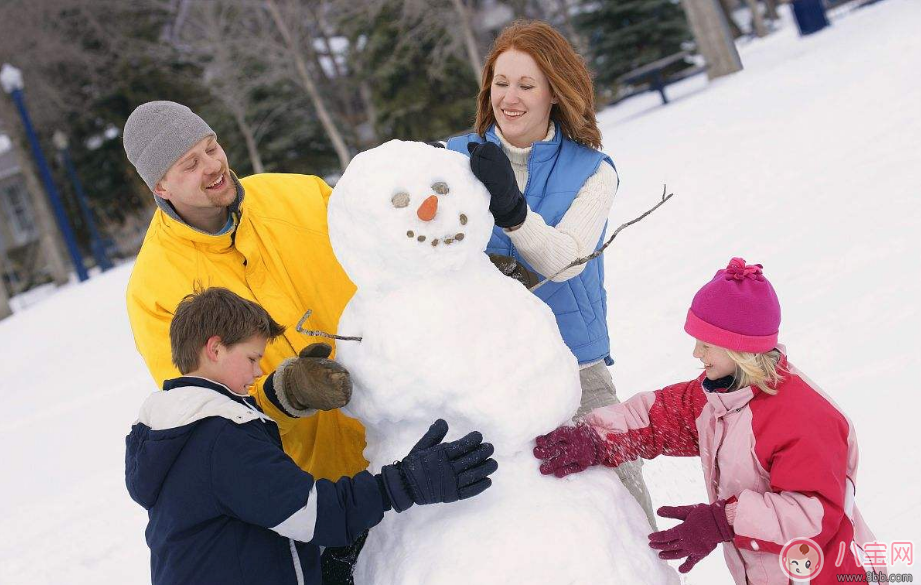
{"points": [[598, 252], [300, 329]]}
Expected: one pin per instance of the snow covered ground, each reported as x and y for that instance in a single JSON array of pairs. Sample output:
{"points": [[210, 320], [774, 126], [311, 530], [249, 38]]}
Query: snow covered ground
{"points": [[808, 162]]}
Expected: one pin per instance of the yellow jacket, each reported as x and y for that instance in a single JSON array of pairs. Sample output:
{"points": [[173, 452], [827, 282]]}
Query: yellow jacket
{"points": [[279, 256]]}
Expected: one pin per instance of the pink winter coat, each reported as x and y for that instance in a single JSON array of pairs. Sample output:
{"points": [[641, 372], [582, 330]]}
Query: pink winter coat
{"points": [[789, 459]]}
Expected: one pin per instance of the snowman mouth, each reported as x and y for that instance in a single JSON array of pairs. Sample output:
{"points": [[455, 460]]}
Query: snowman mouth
{"points": [[447, 240]]}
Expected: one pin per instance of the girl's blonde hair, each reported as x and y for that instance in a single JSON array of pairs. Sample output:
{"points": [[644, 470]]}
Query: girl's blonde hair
{"points": [[761, 370]]}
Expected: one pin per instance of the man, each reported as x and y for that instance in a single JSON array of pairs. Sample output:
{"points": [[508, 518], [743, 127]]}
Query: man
{"points": [[263, 237]]}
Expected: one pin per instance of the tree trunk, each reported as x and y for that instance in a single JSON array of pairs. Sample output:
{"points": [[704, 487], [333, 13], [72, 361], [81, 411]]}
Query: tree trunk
{"points": [[182, 13], [574, 37], [52, 247], [5, 310], [734, 28], [367, 100], [519, 8], [711, 32], [758, 26], [308, 84], [337, 81], [770, 9], [473, 54], [249, 137]]}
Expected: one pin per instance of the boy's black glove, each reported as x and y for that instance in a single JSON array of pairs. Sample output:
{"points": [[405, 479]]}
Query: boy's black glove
{"points": [[436, 472], [312, 381], [493, 169]]}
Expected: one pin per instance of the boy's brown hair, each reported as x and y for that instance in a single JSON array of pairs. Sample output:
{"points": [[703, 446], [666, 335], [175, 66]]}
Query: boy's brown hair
{"points": [[215, 311]]}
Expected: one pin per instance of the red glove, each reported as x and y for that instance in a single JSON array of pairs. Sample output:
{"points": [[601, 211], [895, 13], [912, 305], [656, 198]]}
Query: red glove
{"points": [[568, 450], [704, 527]]}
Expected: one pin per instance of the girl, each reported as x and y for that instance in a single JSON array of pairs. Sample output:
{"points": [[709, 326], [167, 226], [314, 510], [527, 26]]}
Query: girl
{"points": [[779, 458], [536, 150]]}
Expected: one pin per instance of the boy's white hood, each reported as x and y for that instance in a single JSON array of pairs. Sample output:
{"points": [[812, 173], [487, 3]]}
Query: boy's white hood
{"points": [[182, 406]]}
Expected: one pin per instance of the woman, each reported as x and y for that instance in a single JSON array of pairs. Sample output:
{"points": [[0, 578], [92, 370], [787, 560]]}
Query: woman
{"points": [[536, 150]]}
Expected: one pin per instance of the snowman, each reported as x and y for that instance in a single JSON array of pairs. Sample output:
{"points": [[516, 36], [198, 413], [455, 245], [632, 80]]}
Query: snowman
{"points": [[445, 335]]}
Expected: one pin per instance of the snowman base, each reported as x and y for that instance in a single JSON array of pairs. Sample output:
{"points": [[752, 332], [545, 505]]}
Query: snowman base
{"points": [[527, 528]]}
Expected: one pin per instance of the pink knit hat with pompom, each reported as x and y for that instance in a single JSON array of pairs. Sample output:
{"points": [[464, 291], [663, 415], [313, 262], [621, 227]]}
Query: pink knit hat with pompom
{"points": [[737, 310]]}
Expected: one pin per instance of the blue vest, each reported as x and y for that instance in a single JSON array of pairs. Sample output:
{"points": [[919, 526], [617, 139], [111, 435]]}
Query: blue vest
{"points": [[556, 172]]}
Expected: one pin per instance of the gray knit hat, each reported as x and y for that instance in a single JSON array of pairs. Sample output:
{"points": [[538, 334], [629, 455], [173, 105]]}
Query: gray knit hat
{"points": [[157, 134]]}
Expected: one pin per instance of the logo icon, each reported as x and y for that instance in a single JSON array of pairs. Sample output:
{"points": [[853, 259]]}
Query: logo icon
{"points": [[801, 559]]}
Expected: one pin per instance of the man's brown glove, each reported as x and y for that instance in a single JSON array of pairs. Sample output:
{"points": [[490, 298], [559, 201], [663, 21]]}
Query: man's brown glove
{"points": [[311, 381], [513, 269]]}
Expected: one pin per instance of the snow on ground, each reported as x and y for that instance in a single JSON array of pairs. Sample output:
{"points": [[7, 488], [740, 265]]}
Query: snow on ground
{"points": [[808, 162]]}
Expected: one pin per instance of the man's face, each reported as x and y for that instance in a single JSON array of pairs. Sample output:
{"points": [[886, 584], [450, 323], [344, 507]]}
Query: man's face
{"points": [[199, 181]]}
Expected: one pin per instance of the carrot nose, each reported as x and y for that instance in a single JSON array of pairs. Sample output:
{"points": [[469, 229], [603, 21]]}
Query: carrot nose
{"points": [[426, 211]]}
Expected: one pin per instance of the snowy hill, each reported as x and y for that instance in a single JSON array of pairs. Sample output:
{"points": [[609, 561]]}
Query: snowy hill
{"points": [[807, 162]]}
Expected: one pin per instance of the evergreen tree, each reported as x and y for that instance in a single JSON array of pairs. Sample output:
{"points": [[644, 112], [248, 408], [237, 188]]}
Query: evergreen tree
{"points": [[626, 34], [415, 97]]}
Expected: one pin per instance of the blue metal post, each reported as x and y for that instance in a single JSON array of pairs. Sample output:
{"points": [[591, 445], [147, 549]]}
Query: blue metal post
{"points": [[56, 204], [96, 243]]}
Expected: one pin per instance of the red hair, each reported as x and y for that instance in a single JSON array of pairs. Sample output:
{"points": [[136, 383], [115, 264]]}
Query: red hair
{"points": [[565, 69]]}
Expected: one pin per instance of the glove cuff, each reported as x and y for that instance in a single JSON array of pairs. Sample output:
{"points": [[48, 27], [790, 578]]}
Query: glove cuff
{"points": [[385, 497], [598, 444], [275, 387], [722, 521], [395, 487]]}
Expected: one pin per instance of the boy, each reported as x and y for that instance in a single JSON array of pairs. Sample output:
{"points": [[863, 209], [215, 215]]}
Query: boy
{"points": [[226, 504]]}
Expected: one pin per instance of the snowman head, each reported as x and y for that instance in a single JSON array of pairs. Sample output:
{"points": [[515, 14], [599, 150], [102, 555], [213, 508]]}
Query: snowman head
{"points": [[407, 210]]}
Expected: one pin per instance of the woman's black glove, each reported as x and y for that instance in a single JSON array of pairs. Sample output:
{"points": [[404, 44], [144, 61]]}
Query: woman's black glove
{"points": [[436, 472], [493, 169]]}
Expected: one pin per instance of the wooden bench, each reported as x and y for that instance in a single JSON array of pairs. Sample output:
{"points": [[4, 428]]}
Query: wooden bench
{"points": [[652, 76]]}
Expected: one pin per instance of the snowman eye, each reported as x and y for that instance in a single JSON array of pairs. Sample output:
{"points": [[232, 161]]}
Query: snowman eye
{"points": [[441, 188], [401, 199]]}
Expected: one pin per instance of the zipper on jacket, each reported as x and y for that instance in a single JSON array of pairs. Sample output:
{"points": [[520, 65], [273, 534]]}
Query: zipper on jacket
{"points": [[298, 572]]}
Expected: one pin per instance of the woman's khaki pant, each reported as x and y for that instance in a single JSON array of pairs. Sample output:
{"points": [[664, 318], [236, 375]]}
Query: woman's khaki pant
{"points": [[597, 391]]}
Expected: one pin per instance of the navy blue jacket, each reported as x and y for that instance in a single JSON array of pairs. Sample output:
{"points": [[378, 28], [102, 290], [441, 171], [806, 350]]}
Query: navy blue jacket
{"points": [[225, 503]]}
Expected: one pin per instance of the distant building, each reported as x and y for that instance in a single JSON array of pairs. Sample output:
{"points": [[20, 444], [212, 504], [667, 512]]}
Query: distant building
{"points": [[23, 263]]}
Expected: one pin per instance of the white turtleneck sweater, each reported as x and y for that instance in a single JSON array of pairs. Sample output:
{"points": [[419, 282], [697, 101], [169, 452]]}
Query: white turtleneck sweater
{"points": [[548, 249]]}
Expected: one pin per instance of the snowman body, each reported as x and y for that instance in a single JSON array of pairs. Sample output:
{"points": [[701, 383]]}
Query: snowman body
{"points": [[446, 335]]}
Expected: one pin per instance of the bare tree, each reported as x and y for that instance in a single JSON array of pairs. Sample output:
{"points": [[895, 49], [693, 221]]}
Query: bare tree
{"points": [[758, 26], [711, 33], [564, 14], [447, 25], [35, 38], [466, 29], [296, 42], [203, 39]]}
